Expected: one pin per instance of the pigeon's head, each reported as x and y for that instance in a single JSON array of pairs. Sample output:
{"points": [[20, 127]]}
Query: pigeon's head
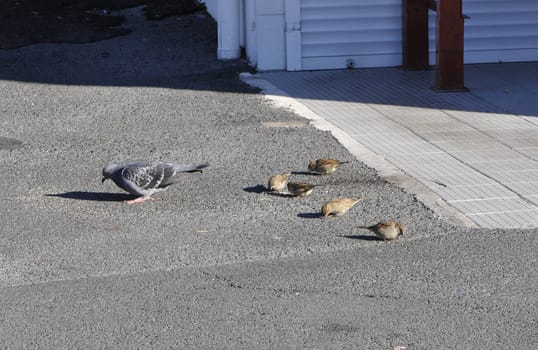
{"points": [[109, 170]]}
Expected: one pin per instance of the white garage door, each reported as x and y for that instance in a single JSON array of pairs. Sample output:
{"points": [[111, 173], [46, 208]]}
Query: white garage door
{"points": [[330, 34], [333, 32], [501, 30]]}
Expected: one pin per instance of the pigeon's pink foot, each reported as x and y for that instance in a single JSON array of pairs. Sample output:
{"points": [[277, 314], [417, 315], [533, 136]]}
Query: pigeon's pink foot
{"points": [[139, 200]]}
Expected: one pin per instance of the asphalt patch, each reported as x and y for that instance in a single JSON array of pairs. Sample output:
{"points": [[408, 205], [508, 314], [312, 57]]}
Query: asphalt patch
{"points": [[10, 144]]}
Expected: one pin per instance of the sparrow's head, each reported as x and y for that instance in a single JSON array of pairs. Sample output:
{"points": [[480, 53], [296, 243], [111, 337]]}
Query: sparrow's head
{"points": [[285, 176], [402, 228], [312, 165], [326, 209]]}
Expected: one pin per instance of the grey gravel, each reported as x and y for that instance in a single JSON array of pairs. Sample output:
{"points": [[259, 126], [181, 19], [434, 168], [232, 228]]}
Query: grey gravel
{"points": [[215, 261]]}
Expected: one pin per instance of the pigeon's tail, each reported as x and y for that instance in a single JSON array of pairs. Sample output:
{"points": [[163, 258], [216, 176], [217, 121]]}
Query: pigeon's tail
{"points": [[190, 168]]}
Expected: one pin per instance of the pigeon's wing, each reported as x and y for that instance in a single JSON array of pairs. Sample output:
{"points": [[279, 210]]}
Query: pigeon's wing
{"points": [[171, 171], [169, 174], [146, 175], [187, 168]]}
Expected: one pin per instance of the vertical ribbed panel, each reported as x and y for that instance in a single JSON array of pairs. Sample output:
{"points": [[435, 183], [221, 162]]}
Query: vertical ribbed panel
{"points": [[335, 31], [369, 32], [497, 31], [501, 30]]}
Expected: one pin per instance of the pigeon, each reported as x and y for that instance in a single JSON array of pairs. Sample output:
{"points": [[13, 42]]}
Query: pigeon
{"points": [[388, 230], [145, 178], [324, 166], [339, 206], [300, 189]]}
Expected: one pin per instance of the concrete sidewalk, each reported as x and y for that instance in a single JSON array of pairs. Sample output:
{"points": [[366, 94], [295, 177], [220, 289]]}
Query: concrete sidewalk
{"points": [[471, 156]]}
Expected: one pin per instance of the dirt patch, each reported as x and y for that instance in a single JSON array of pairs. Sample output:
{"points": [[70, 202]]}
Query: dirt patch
{"points": [[26, 22]]}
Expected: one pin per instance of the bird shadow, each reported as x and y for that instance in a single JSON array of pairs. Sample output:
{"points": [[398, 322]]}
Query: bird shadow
{"points": [[262, 189], [362, 237], [310, 215], [93, 196], [256, 189], [304, 173], [277, 194]]}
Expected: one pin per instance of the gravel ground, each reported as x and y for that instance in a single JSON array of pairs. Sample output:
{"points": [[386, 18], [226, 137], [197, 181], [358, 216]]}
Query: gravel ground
{"points": [[216, 262]]}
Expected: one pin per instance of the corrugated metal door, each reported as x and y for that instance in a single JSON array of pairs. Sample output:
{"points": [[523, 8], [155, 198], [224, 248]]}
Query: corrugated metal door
{"points": [[497, 31], [363, 33], [368, 33], [501, 30]]}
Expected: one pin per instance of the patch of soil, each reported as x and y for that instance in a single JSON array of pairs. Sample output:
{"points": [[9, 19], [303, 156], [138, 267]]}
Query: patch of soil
{"points": [[26, 22]]}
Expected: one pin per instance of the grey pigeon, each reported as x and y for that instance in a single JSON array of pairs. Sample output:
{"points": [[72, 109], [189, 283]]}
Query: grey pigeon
{"points": [[145, 178]]}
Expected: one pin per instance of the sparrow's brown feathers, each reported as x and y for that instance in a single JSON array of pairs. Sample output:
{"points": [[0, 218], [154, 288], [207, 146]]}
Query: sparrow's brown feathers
{"points": [[324, 166], [339, 206], [388, 230]]}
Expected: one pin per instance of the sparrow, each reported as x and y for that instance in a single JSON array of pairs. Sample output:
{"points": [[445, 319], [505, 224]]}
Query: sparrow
{"points": [[339, 206], [300, 189], [144, 178], [278, 183], [324, 166], [388, 230]]}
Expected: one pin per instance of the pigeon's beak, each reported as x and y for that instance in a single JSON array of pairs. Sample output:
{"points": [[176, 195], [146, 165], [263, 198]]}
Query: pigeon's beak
{"points": [[103, 179]]}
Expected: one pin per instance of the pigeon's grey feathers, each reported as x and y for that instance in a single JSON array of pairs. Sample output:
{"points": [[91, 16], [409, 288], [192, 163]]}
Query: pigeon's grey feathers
{"points": [[146, 178]]}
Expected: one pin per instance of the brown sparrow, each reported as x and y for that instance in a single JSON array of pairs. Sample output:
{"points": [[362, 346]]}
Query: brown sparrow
{"points": [[300, 189], [388, 230], [339, 206], [324, 166], [278, 182]]}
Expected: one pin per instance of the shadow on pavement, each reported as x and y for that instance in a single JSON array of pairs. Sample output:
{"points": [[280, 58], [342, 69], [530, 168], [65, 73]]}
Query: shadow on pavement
{"points": [[310, 215], [93, 196], [256, 189], [304, 173], [363, 237], [178, 52]]}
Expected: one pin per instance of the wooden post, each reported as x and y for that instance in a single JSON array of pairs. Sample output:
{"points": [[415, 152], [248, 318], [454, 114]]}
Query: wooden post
{"points": [[415, 34], [449, 46]]}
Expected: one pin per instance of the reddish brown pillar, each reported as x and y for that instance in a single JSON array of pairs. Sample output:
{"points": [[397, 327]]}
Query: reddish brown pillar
{"points": [[415, 34], [449, 46]]}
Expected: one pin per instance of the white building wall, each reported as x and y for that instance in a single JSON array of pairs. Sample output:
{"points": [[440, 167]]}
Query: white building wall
{"points": [[251, 45], [229, 29], [270, 38]]}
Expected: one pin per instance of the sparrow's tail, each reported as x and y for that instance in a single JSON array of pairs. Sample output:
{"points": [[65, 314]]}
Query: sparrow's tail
{"points": [[344, 162], [190, 168]]}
